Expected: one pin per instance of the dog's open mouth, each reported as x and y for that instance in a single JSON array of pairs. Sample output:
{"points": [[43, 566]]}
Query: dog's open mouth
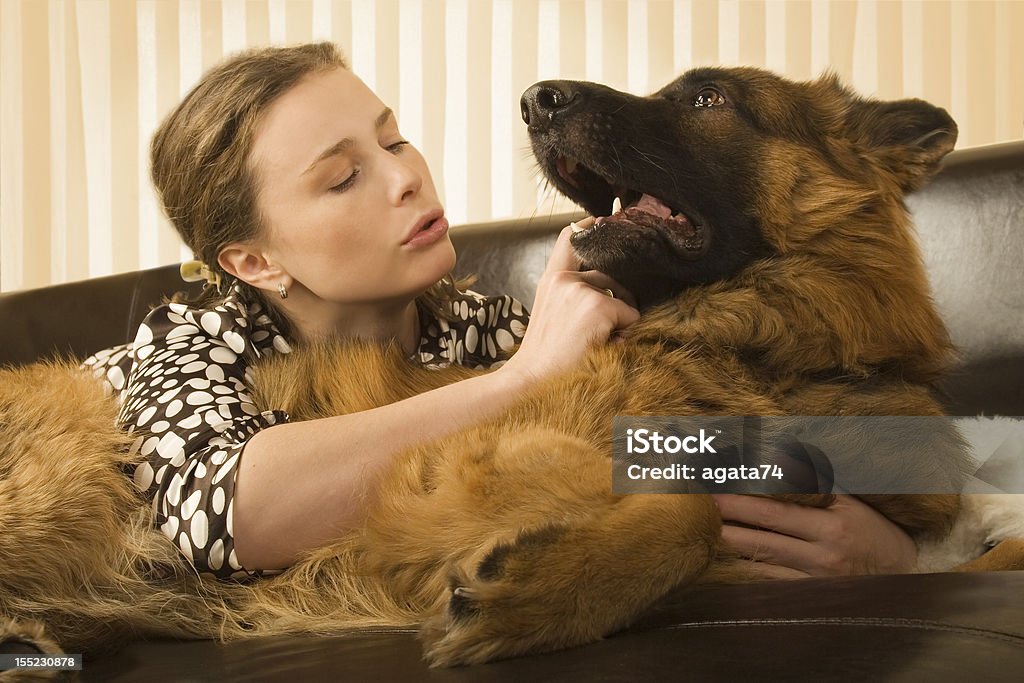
{"points": [[618, 207]]}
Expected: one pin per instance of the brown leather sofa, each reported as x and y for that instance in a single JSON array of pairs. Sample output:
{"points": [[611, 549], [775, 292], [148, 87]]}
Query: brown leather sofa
{"points": [[902, 628]]}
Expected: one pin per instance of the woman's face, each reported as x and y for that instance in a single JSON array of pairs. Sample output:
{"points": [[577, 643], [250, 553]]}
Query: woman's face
{"points": [[349, 207]]}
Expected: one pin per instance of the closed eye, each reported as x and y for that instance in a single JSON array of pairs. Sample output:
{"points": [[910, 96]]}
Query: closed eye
{"points": [[345, 184]]}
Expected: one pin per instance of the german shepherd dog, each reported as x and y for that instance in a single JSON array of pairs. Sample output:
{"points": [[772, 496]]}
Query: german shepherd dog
{"points": [[760, 225]]}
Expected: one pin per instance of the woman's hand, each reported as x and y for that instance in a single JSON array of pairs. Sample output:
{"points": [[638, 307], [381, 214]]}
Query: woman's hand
{"points": [[794, 541], [571, 311]]}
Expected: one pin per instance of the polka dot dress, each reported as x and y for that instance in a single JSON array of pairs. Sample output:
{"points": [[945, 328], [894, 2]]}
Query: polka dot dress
{"points": [[183, 387]]}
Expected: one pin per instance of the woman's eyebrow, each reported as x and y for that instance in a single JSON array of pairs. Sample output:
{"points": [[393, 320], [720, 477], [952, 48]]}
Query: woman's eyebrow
{"points": [[342, 146]]}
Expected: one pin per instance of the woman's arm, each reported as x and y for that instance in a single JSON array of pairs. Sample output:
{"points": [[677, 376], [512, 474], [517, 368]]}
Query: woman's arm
{"points": [[300, 485]]}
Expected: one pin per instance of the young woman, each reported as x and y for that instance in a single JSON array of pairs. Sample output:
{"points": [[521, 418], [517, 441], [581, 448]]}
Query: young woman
{"points": [[313, 218]]}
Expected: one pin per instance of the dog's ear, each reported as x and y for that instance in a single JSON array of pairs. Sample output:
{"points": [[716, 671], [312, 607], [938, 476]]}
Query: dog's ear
{"points": [[909, 137]]}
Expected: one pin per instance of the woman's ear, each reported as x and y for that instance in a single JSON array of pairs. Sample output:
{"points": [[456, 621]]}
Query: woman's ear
{"points": [[251, 265]]}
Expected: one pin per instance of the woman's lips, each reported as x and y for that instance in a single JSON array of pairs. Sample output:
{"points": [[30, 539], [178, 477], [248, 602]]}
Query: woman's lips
{"points": [[429, 233]]}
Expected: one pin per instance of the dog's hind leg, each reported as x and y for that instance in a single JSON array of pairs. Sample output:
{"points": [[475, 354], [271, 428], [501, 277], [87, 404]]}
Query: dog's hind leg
{"points": [[597, 563]]}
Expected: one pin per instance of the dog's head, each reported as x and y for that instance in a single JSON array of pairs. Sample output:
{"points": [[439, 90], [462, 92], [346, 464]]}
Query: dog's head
{"points": [[723, 167]]}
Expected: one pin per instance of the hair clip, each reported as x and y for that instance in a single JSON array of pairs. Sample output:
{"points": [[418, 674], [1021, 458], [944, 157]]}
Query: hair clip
{"points": [[195, 271]]}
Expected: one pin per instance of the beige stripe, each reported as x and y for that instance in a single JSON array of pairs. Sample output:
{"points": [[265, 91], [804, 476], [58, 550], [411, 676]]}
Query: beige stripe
{"points": [[913, 48], [300, 21], [890, 50], [78, 194], [36, 165], [660, 51], [573, 45], [58, 144], [387, 51], [594, 43], [752, 33], [728, 32], [12, 176], [798, 39], [94, 67], [524, 74], [1015, 72], [212, 19], [842, 27], [958, 74], [409, 107], [434, 88], [636, 46], [936, 77], [456, 143], [504, 111], [124, 139], [233, 23], [341, 26], [613, 27], [865, 49], [257, 23], [980, 72], [167, 97], [682, 30], [705, 32], [775, 40], [478, 72]]}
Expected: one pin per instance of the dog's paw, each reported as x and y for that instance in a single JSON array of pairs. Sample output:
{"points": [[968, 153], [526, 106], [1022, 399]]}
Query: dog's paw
{"points": [[503, 609]]}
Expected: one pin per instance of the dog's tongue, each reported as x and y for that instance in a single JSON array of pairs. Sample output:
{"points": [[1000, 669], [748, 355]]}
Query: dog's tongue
{"points": [[651, 205]]}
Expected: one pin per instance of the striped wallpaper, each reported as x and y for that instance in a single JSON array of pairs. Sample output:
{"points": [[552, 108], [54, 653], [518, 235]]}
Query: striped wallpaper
{"points": [[83, 83]]}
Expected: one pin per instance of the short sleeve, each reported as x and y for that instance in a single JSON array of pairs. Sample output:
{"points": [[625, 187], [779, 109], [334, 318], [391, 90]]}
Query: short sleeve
{"points": [[187, 399]]}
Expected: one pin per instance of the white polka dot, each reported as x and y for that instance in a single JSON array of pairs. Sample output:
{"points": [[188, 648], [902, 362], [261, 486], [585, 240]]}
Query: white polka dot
{"points": [[145, 416], [215, 373], [143, 352], [150, 445], [196, 366], [517, 328], [186, 546], [233, 561], [235, 341], [210, 322], [143, 476], [170, 527], [198, 398], [491, 351], [222, 355], [281, 345], [159, 427], [226, 468], [188, 508], [472, 337], [173, 408], [229, 519], [181, 331], [116, 377], [517, 308], [170, 445], [174, 490], [505, 340], [186, 359], [200, 529], [178, 308], [216, 556], [198, 383], [191, 422], [219, 457], [218, 500], [143, 336], [250, 409], [200, 470]]}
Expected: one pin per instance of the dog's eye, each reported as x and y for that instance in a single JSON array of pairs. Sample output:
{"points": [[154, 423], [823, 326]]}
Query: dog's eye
{"points": [[708, 97]]}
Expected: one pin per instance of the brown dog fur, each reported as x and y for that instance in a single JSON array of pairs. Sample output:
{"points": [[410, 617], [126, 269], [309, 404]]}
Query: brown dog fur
{"points": [[505, 538]]}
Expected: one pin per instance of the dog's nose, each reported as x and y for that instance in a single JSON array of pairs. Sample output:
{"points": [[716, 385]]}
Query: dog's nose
{"points": [[543, 101]]}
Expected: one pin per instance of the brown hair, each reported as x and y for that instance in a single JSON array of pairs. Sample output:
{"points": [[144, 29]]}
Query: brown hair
{"points": [[201, 152]]}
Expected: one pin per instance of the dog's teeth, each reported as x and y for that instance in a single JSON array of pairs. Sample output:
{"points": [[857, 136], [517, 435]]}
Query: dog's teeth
{"points": [[570, 164], [575, 227], [616, 205]]}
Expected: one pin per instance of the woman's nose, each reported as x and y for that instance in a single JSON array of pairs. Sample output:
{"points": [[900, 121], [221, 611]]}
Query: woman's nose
{"points": [[405, 178]]}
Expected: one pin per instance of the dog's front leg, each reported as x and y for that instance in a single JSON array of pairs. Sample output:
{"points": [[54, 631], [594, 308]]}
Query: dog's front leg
{"points": [[594, 564]]}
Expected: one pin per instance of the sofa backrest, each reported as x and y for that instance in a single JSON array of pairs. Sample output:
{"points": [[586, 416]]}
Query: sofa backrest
{"points": [[970, 221]]}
